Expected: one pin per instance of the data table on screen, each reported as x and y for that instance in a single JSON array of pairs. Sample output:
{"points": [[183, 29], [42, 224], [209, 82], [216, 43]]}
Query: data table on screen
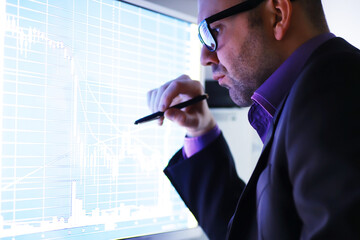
{"points": [[74, 79]]}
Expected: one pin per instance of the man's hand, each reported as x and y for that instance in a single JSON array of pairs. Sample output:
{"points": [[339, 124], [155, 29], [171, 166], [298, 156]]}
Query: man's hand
{"points": [[196, 118]]}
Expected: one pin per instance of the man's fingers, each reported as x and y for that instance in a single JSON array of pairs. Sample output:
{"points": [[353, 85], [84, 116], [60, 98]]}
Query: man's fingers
{"points": [[182, 85], [160, 121], [176, 115], [150, 99]]}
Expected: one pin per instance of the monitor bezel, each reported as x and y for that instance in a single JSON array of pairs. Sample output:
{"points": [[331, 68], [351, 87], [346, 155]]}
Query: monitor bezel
{"points": [[161, 9], [186, 234]]}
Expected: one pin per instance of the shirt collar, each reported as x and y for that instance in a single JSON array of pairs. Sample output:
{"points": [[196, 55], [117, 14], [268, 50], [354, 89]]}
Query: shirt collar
{"points": [[270, 94]]}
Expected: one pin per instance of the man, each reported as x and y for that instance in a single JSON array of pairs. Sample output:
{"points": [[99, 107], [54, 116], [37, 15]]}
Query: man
{"points": [[302, 83]]}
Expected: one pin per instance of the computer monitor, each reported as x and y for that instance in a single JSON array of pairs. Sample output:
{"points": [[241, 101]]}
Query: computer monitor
{"points": [[74, 78]]}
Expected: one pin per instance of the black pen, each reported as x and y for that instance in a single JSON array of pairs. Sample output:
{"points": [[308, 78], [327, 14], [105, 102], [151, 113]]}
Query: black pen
{"points": [[178, 106]]}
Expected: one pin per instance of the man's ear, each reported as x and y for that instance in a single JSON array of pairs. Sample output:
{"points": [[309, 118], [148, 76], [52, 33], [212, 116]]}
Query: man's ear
{"points": [[282, 13]]}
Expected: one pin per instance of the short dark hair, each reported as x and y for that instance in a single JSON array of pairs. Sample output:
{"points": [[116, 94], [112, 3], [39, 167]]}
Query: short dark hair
{"points": [[315, 12]]}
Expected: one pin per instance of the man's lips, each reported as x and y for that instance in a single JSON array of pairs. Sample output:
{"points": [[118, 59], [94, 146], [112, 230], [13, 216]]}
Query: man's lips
{"points": [[220, 79]]}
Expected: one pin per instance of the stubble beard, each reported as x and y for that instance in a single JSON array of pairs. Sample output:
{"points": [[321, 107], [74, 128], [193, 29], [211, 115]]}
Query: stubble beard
{"points": [[249, 70]]}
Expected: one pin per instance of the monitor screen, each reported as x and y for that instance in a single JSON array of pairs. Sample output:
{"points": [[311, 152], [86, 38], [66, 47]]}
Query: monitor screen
{"points": [[74, 78]]}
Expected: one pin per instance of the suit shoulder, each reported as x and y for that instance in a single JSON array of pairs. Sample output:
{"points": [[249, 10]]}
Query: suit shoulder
{"points": [[335, 53], [334, 64]]}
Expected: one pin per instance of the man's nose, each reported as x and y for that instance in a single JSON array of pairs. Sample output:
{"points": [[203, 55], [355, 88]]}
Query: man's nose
{"points": [[207, 57]]}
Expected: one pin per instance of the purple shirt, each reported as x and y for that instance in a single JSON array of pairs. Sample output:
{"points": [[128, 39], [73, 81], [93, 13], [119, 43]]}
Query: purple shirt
{"points": [[267, 97]]}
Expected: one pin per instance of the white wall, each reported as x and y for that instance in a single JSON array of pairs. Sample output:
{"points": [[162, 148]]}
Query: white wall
{"points": [[344, 19], [244, 143]]}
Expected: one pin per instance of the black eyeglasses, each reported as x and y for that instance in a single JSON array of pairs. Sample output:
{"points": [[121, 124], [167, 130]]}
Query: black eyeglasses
{"points": [[206, 33]]}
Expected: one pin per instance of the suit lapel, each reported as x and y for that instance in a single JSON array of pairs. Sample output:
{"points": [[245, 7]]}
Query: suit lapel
{"points": [[243, 225]]}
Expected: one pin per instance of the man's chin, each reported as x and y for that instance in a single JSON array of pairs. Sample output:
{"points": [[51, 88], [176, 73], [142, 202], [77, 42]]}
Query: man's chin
{"points": [[239, 99], [224, 85]]}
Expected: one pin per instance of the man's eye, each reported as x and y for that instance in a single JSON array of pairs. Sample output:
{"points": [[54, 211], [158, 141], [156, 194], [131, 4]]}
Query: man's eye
{"points": [[215, 31]]}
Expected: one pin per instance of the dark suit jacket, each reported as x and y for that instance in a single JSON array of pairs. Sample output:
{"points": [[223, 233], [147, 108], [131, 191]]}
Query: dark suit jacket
{"points": [[306, 184]]}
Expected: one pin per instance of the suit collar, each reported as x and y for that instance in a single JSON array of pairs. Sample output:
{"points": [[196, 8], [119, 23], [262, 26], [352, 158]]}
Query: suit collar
{"points": [[271, 93]]}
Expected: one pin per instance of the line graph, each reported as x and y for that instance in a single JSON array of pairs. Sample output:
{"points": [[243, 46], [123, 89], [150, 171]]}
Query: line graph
{"points": [[72, 163]]}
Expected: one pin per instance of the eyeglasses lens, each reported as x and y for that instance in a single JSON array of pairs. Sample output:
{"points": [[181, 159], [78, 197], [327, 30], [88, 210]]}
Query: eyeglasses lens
{"points": [[206, 37]]}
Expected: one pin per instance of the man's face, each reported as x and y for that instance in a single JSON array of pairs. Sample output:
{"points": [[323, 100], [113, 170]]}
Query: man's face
{"points": [[244, 58]]}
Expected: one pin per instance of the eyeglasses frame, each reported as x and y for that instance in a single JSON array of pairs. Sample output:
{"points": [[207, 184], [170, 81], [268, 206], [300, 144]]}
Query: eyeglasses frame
{"points": [[239, 8]]}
